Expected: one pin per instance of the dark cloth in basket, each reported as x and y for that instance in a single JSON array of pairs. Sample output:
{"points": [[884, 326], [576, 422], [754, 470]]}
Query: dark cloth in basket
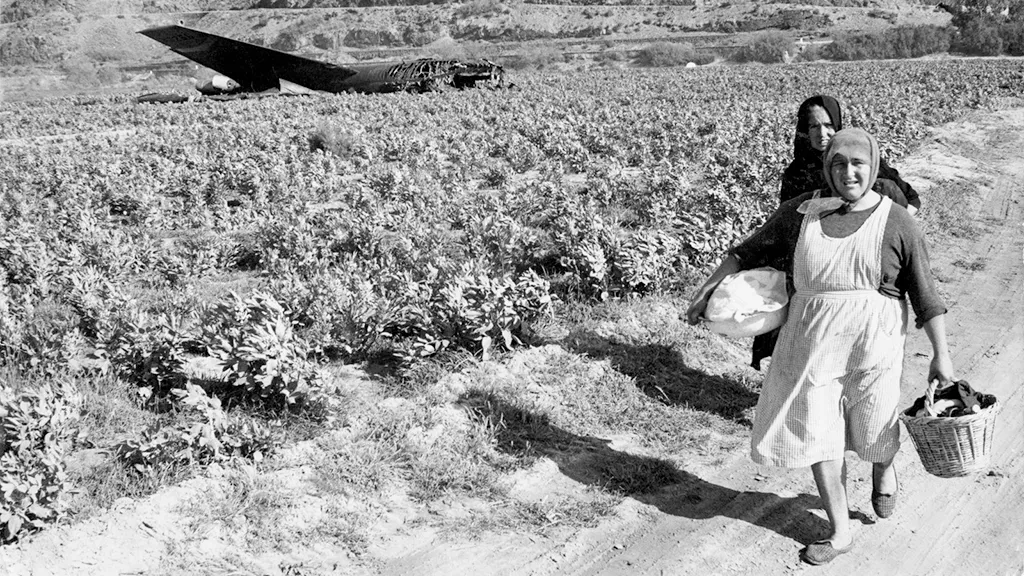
{"points": [[960, 390]]}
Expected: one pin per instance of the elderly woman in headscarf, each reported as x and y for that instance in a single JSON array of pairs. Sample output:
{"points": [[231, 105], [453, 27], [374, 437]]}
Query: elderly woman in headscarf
{"points": [[818, 118], [856, 258]]}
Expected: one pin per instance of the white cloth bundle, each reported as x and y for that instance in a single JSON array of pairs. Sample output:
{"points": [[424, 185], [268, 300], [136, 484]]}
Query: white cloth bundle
{"points": [[748, 303]]}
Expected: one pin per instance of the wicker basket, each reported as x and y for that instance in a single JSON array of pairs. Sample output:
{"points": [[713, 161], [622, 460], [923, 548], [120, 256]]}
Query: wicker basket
{"points": [[952, 447]]}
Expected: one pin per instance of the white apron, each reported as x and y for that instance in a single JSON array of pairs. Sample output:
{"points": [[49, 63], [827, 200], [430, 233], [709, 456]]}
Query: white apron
{"points": [[834, 381]]}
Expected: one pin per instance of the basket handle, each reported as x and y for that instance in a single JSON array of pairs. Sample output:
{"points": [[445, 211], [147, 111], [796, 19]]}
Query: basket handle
{"points": [[929, 398]]}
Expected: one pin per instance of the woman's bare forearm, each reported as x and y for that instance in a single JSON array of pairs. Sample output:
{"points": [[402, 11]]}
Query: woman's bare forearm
{"points": [[941, 368]]}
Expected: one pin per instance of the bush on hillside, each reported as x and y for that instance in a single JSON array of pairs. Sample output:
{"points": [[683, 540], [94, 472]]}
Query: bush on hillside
{"points": [[900, 42], [767, 48], [1012, 34], [537, 58], [979, 37], [479, 8], [662, 54], [80, 72], [19, 10]]}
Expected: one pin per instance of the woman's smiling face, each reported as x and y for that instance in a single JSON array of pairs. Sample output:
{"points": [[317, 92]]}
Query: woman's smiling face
{"points": [[819, 128], [850, 176]]}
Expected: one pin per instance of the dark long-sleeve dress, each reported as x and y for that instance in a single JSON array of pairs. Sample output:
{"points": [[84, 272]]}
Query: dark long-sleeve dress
{"points": [[806, 174]]}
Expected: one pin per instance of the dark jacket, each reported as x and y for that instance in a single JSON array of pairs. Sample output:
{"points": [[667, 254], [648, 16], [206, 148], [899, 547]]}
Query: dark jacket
{"points": [[806, 172], [808, 175]]}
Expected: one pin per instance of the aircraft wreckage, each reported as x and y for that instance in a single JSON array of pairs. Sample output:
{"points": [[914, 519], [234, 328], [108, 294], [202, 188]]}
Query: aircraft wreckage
{"points": [[248, 69]]}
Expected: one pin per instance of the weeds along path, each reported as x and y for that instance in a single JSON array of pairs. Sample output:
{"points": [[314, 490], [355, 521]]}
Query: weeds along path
{"points": [[743, 519]]}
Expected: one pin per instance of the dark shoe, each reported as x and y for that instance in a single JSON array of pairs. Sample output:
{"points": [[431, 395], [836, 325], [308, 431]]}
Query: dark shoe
{"points": [[822, 552], [885, 504]]}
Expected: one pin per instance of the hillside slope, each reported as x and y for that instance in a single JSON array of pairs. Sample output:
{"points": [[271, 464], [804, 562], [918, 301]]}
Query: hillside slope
{"points": [[49, 33]]}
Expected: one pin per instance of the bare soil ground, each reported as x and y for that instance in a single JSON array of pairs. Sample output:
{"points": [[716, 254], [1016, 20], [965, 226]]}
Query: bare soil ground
{"points": [[727, 516]]}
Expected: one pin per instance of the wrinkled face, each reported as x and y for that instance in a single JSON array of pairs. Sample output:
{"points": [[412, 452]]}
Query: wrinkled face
{"points": [[850, 176], [819, 128]]}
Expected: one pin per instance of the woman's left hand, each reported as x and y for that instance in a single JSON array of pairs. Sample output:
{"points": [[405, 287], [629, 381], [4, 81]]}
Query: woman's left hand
{"points": [[941, 369]]}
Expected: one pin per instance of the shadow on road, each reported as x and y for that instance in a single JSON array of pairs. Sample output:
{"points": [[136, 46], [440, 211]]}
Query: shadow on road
{"points": [[661, 373], [654, 481]]}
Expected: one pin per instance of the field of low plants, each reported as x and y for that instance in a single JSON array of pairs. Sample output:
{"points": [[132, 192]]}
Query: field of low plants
{"points": [[180, 285]]}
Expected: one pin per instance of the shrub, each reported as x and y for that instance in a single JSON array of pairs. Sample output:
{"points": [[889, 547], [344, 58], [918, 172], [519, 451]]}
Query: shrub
{"points": [[979, 38], [337, 140], [264, 360], [1012, 34], [204, 433], [47, 339], [100, 304], [478, 8], [27, 262], [662, 54], [538, 58], [338, 311], [767, 48], [35, 436], [150, 354], [646, 260], [475, 311], [901, 42]]}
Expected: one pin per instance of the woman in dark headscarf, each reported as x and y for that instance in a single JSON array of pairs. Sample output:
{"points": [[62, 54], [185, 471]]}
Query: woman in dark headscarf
{"points": [[818, 118], [855, 258]]}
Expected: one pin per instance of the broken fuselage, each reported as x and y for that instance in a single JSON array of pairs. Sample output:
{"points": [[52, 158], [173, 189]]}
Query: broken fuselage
{"points": [[245, 67]]}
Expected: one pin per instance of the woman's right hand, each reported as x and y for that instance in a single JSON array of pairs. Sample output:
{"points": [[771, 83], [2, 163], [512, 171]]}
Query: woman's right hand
{"points": [[695, 313]]}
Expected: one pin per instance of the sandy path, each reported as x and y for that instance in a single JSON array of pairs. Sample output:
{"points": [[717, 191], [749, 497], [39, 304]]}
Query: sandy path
{"points": [[743, 519]]}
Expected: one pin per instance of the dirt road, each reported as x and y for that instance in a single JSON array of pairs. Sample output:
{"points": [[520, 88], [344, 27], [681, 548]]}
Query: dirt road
{"points": [[745, 519]]}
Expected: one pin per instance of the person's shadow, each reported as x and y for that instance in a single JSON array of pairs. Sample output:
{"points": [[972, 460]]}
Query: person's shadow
{"points": [[660, 372], [654, 481]]}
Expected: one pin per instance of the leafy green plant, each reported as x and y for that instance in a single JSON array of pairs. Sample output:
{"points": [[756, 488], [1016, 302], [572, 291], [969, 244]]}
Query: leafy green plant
{"points": [[203, 433], [149, 352], [336, 139], [338, 311], [99, 303], [25, 259], [479, 312], [254, 338], [35, 437], [647, 259]]}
